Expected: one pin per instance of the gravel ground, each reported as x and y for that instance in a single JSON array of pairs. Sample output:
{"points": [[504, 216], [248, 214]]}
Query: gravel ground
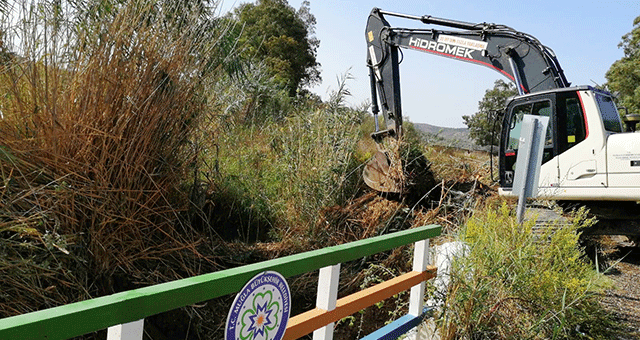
{"points": [[623, 259]]}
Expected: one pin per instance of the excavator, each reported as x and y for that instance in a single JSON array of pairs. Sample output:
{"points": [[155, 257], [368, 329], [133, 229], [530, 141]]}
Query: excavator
{"points": [[588, 158]]}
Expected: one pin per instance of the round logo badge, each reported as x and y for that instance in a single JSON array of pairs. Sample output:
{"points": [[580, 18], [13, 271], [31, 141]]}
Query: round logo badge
{"points": [[261, 309]]}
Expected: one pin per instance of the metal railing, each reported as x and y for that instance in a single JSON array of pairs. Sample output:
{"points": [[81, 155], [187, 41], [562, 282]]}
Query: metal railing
{"points": [[123, 312]]}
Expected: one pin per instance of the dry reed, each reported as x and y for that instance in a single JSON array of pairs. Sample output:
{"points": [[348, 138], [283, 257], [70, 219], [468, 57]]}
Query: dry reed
{"points": [[95, 151]]}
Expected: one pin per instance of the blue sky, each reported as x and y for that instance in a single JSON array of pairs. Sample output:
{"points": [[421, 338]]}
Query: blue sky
{"points": [[439, 91]]}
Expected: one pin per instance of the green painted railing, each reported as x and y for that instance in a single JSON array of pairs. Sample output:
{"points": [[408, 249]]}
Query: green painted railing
{"points": [[83, 317]]}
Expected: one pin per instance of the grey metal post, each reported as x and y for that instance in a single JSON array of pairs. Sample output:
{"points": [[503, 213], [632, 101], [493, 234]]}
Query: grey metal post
{"points": [[525, 151], [530, 150]]}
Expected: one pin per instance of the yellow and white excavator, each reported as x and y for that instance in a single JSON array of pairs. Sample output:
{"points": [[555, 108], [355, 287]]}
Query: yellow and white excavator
{"points": [[588, 158]]}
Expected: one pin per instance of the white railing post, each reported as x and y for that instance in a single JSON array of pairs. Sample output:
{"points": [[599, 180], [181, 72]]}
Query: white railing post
{"points": [[416, 298], [420, 261], [127, 331], [327, 297]]}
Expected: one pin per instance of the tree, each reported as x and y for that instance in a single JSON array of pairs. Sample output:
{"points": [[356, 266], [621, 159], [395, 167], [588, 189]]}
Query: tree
{"points": [[275, 32], [481, 123], [623, 76]]}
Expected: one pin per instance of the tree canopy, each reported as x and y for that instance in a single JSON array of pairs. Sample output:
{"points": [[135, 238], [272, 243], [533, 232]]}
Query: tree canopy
{"points": [[482, 122], [283, 38], [623, 76]]}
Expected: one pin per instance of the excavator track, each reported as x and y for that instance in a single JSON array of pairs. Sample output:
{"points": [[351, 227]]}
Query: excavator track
{"points": [[622, 221]]}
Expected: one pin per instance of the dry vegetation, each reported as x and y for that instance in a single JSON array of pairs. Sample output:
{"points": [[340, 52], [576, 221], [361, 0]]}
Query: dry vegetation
{"points": [[122, 167], [94, 149], [129, 157]]}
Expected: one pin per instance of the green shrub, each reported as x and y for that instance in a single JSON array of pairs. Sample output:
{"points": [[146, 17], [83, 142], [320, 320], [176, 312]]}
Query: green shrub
{"points": [[290, 168], [517, 282]]}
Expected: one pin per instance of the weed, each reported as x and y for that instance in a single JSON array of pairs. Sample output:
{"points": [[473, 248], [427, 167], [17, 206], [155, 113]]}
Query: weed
{"points": [[516, 283]]}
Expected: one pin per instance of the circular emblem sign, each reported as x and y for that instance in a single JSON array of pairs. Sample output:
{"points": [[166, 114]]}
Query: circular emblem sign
{"points": [[261, 309]]}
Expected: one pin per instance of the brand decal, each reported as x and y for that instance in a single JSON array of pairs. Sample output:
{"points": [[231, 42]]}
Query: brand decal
{"points": [[261, 309], [455, 46], [462, 42], [627, 157]]}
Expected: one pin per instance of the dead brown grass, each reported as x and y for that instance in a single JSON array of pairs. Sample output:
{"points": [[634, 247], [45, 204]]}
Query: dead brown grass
{"points": [[459, 165], [94, 149]]}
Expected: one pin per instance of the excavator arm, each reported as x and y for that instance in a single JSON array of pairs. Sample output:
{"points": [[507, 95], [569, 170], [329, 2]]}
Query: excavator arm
{"points": [[520, 57]]}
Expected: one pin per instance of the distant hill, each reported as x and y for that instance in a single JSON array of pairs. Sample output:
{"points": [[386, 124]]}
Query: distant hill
{"points": [[455, 137]]}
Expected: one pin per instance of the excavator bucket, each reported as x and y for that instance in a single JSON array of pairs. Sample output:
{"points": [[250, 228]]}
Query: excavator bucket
{"points": [[384, 172]]}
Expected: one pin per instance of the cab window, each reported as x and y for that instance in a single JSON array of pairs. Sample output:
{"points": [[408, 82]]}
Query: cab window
{"points": [[541, 108], [571, 122], [516, 125], [609, 113]]}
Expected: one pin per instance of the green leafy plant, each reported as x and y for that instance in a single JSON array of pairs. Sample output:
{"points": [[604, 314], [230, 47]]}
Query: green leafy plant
{"points": [[520, 282]]}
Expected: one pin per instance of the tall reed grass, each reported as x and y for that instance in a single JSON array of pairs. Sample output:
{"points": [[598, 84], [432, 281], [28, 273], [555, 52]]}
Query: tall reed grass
{"points": [[281, 172], [100, 104]]}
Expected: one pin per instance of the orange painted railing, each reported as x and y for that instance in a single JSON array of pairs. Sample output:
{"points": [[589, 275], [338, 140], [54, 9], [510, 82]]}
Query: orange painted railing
{"points": [[305, 323]]}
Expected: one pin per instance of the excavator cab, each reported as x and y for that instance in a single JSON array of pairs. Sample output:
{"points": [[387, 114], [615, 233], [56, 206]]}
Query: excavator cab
{"points": [[587, 156], [566, 127]]}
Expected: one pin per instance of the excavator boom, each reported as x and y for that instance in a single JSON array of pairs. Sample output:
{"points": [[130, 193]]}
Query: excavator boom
{"points": [[520, 57]]}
